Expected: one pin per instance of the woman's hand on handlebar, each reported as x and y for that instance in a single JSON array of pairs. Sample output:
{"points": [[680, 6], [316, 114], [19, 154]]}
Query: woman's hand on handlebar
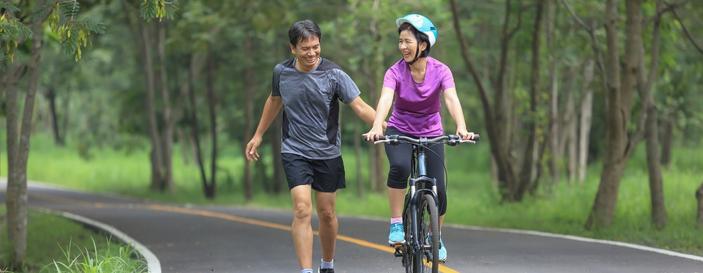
{"points": [[374, 134], [464, 134]]}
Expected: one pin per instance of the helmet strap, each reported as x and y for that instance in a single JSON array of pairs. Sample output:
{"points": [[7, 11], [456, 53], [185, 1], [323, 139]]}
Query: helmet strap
{"points": [[417, 53]]}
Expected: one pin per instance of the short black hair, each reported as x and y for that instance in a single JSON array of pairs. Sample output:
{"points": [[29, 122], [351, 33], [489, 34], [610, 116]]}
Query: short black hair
{"points": [[419, 36], [303, 30]]}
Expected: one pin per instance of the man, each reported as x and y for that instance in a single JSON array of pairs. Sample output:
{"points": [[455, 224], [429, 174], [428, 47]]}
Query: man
{"points": [[308, 88]]}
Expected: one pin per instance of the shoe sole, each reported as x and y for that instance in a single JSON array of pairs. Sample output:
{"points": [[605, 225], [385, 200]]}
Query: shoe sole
{"points": [[392, 243]]}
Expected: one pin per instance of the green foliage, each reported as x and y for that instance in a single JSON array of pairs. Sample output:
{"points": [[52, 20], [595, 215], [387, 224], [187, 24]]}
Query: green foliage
{"points": [[72, 32], [12, 32], [158, 9], [96, 260]]}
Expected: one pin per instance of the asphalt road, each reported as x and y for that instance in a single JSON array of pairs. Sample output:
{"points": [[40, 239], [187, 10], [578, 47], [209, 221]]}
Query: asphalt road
{"points": [[204, 239]]}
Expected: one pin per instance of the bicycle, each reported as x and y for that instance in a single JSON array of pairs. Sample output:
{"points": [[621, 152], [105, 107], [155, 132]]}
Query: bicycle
{"points": [[419, 251]]}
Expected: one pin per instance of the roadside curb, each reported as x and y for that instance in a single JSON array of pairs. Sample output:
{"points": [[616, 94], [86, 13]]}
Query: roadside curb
{"points": [[153, 264]]}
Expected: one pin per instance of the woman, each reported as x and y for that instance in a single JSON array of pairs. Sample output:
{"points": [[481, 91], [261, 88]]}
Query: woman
{"points": [[413, 86]]}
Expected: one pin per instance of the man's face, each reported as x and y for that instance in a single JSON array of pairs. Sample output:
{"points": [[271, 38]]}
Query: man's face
{"points": [[307, 52]]}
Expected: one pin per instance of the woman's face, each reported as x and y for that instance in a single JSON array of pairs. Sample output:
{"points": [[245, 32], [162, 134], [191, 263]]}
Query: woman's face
{"points": [[408, 45]]}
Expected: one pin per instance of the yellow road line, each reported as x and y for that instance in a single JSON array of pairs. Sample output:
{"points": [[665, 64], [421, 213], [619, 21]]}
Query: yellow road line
{"points": [[249, 221], [228, 217]]}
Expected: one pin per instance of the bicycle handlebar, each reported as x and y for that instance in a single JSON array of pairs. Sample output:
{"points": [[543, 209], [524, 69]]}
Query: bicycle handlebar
{"points": [[446, 139]]}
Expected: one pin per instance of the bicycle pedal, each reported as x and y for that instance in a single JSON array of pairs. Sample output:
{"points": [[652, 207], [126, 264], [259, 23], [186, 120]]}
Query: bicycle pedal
{"points": [[398, 251]]}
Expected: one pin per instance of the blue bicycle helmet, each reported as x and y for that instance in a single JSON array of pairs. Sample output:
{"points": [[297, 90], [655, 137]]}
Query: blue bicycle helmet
{"points": [[422, 24]]}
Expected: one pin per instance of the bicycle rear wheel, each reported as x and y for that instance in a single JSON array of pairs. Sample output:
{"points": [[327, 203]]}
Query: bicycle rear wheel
{"points": [[426, 260]]}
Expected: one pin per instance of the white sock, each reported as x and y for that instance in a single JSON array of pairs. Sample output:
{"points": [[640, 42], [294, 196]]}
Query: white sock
{"points": [[306, 270], [396, 220], [327, 265]]}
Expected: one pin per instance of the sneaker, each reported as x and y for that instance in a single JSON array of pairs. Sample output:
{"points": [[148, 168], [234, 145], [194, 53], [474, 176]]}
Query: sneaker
{"points": [[325, 270], [396, 235], [442, 253]]}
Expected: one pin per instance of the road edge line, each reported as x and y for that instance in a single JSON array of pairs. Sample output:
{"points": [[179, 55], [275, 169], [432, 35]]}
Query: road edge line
{"points": [[582, 239], [153, 264], [558, 236]]}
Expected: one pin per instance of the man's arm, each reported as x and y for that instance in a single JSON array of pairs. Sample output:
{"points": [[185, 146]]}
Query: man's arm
{"points": [[272, 107], [363, 110]]}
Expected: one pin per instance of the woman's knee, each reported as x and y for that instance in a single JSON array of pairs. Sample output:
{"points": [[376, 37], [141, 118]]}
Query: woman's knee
{"points": [[397, 175]]}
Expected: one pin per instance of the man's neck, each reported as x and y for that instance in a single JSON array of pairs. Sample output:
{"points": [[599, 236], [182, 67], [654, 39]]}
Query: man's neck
{"points": [[300, 67]]}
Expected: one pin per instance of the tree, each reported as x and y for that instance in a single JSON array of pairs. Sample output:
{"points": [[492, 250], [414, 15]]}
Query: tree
{"points": [[501, 123], [24, 25], [151, 35], [699, 198], [619, 145], [656, 188]]}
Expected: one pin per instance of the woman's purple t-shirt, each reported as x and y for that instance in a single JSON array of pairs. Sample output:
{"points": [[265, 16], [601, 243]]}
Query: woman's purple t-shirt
{"points": [[417, 105]]}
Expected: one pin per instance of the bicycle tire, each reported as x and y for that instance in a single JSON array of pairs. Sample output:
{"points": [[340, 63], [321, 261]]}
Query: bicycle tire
{"points": [[408, 253], [426, 257]]}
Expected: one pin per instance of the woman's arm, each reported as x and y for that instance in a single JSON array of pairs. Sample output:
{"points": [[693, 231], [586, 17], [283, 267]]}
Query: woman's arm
{"points": [[455, 110], [382, 109]]}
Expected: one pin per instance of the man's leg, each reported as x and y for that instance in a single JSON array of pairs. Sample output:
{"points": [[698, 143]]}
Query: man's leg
{"points": [[326, 202], [302, 226]]}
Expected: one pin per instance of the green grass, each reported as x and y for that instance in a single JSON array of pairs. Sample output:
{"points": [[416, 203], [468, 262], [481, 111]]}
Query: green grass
{"points": [[53, 241], [473, 198]]}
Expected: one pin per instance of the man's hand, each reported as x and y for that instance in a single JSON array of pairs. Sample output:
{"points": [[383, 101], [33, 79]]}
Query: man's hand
{"points": [[251, 152]]}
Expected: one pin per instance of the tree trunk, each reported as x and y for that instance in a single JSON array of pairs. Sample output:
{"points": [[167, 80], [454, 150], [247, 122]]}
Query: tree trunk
{"points": [[16, 196], [667, 137], [585, 115], [143, 34], [184, 141], [212, 107], [619, 97], [192, 111], [699, 198], [528, 167], [359, 162], [656, 187], [51, 97], [553, 138], [249, 89], [374, 65], [571, 141], [278, 177], [157, 173], [18, 149], [166, 183], [496, 119], [248, 121]]}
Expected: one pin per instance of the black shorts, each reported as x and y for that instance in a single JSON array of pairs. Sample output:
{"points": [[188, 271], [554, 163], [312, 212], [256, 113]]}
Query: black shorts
{"points": [[326, 175]]}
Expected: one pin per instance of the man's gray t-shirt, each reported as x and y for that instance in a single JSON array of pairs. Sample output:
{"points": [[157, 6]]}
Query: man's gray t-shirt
{"points": [[311, 107]]}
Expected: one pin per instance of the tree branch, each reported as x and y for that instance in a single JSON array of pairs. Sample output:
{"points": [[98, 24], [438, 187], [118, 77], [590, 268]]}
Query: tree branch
{"points": [[685, 30], [598, 55], [576, 17]]}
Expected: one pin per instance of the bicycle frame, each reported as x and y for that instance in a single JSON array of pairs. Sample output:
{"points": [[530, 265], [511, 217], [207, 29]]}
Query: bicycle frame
{"points": [[420, 184]]}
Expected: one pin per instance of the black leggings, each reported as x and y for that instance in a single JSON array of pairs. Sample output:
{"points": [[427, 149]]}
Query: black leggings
{"points": [[399, 158]]}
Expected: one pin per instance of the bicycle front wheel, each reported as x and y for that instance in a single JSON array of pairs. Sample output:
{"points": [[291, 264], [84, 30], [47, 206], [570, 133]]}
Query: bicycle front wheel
{"points": [[426, 260]]}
